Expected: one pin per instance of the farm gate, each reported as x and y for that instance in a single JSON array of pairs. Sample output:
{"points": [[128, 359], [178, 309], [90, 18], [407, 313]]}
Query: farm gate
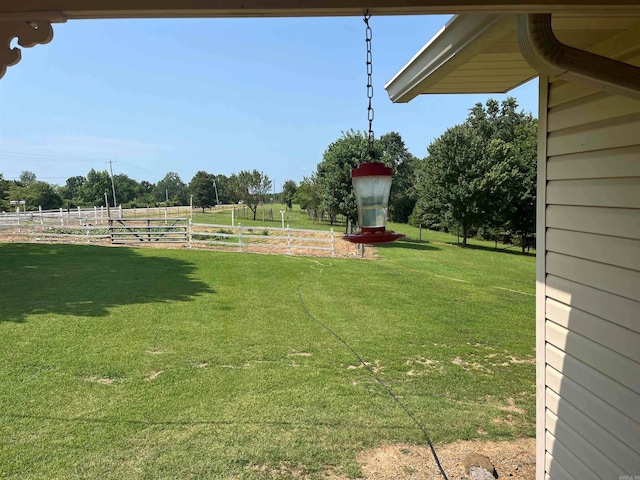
{"points": [[147, 230]]}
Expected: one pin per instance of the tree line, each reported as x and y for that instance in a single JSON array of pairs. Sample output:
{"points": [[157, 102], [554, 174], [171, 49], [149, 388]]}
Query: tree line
{"points": [[478, 177], [96, 188]]}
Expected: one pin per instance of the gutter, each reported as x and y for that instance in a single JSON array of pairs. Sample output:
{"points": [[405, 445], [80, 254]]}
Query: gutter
{"points": [[544, 52]]}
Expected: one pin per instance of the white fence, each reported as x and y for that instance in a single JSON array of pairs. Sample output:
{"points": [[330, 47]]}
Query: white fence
{"points": [[60, 217], [92, 225], [260, 239]]}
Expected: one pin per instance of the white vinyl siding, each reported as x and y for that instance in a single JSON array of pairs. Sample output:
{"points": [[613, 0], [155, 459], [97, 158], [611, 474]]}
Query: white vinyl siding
{"points": [[591, 270]]}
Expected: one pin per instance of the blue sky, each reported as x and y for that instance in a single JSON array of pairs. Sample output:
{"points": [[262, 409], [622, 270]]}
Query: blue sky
{"points": [[220, 95]]}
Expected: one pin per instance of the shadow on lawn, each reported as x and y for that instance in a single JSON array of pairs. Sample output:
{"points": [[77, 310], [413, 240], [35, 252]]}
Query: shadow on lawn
{"points": [[410, 244], [509, 250], [87, 280]]}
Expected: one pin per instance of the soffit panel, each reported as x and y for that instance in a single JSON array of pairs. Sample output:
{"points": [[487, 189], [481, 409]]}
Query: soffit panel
{"points": [[499, 66]]}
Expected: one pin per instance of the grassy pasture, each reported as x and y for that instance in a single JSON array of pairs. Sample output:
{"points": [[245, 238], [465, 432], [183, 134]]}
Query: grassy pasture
{"points": [[148, 363]]}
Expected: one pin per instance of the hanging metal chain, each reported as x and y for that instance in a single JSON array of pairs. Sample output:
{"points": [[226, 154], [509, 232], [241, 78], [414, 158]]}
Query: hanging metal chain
{"points": [[370, 113]]}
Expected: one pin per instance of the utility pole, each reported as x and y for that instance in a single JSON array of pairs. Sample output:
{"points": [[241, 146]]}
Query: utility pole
{"points": [[216, 189], [113, 185]]}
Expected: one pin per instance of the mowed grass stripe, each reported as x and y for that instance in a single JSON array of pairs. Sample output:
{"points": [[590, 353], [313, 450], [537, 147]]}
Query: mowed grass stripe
{"points": [[149, 363]]}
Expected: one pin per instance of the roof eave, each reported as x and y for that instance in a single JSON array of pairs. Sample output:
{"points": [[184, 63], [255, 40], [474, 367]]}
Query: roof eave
{"points": [[463, 37]]}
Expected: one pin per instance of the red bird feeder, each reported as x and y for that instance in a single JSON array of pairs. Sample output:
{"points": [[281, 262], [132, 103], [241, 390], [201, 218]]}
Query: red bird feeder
{"points": [[372, 184]]}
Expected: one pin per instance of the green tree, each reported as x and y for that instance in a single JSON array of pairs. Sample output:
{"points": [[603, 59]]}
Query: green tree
{"points": [[70, 192], [403, 196], [289, 189], [27, 177], [127, 188], [512, 144], [202, 189], [456, 166], [173, 189], [309, 194], [334, 173], [224, 190], [92, 190], [4, 192], [482, 173], [144, 195], [41, 194], [252, 187]]}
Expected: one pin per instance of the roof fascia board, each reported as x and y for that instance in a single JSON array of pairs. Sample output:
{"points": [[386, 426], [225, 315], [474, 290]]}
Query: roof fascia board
{"points": [[462, 38], [77, 9]]}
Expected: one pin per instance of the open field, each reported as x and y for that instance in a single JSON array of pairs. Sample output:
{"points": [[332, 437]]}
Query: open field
{"points": [[150, 363]]}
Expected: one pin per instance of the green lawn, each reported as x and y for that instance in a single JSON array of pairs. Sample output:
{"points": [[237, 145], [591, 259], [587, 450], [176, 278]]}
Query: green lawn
{"points": [[147, 363]]}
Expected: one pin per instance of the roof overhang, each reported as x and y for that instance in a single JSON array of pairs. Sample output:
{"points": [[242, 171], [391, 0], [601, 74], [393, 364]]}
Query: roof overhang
{"points": [[480, 53], [74, 9]]}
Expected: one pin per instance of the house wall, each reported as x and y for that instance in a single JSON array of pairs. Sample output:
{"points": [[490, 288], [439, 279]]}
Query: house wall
{"points": [[589, 282]]}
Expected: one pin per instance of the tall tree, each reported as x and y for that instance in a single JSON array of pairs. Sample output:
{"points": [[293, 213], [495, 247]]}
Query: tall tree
{"points": [[27, 177], [482, 173], [4, 192], [127, 188], [71, 189], [334, 173], [309, 194], [253, 186], [403, 196], [173, 189], [41, 194], [456, 166], [92, 190], [289, 188], [202, 189]]}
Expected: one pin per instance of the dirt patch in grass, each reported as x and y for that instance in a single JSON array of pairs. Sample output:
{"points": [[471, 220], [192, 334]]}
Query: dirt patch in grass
{"points": [[511, 407], [153, 375], [101, 380], [514, 460], [157, 351]]}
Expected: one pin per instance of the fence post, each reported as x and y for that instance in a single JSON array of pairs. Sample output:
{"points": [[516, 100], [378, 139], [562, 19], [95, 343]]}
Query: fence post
{"points": [[41, 215], [288, 239], [120, 210], [190, 234], [240, 236], [333, 244], [61, 217]]}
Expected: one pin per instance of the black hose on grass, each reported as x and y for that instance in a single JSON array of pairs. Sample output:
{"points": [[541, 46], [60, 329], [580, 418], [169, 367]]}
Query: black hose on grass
{"points": [[379, 380]]}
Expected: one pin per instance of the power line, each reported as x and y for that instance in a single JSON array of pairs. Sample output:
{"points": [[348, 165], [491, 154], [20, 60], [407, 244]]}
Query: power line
{"points": [[380, 382], [44, 157]]}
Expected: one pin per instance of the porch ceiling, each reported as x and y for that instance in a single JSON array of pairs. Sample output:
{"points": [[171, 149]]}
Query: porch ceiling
{"points": [[479, 53]]}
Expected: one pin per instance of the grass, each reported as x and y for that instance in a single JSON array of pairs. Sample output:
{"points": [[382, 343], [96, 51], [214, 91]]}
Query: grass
{"points": [[149, 363]]}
